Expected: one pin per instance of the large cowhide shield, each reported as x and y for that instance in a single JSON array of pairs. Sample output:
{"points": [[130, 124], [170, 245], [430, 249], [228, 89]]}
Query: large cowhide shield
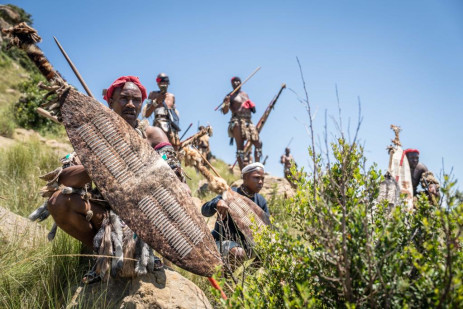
{"points": [[245, 213], [139, 185]]}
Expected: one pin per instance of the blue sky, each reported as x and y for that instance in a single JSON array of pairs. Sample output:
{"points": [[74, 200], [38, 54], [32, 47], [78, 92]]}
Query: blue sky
{"points": [[402, 58]]}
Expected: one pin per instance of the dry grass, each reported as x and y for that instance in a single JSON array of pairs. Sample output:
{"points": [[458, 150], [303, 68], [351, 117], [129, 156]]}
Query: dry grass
{"points": [[31, 276]]}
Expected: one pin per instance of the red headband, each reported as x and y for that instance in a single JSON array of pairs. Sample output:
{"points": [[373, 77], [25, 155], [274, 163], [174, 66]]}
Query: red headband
{"points": [[235, 77], [120, 82], [412, 151]]}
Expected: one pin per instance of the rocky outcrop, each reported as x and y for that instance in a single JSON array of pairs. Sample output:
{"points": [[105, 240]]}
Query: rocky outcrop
{"points": [[24, 135], [9, 16], [20, 231], [272, 185], [162, 289]]}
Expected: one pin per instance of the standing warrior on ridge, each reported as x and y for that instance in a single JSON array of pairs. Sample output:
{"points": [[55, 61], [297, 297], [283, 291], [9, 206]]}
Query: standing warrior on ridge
{"points": [[162, 103], [241, 127], [287, 160]]}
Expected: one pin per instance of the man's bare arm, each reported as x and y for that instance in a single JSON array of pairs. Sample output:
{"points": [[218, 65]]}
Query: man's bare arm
{"points": [[150, 108], [156, 136], [226, 105]]}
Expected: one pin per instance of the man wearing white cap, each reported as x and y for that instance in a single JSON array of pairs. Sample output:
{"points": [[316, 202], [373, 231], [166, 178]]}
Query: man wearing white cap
{"points": [[229, 240]]}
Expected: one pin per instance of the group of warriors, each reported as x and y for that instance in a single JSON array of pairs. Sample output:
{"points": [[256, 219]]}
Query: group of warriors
{"points": [[78, 207]]}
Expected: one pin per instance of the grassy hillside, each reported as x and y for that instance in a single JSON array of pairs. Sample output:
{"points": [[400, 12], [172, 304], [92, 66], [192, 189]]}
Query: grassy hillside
{"points": [[11, 75], [31, 277]]}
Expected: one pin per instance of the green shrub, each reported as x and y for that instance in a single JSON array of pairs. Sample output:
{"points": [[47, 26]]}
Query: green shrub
{"points": [[19, 56], [5, 61], [25, 110], [344, 249]]}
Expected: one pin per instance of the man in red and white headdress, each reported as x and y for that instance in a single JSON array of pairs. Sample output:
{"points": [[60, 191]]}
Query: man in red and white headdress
{"points": [[421, 174]]}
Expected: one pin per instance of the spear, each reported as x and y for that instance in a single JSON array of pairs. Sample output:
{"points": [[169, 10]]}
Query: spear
{"points": [[202, 132], [44, 112], [265, 160], [237, 88], [186, 131], [73, 67], [263, 119], [208, 163], [290, 142]]}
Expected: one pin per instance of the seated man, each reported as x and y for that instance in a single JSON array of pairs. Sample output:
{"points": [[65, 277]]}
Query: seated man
{"points": [[421, 175], [81, 211], [229, 240]]}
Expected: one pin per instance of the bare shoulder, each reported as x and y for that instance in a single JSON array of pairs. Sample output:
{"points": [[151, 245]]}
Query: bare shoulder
{"points": [[421, 167], [153, 95], [244, 95], [155, 135]]}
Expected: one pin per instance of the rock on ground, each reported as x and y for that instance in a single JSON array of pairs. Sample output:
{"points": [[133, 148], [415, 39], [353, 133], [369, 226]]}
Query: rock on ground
{"points": [[162, 289], [6, 142], [20, 231], [24, 135], [272, 185]]}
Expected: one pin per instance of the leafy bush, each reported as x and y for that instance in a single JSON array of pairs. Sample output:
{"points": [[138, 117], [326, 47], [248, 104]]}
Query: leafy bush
{"points": [[20, 57], [342, 248], [25, 110]]}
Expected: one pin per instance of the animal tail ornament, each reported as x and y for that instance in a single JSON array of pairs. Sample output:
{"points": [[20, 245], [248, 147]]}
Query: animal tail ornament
{"points": [[25, 38], [194, 158]]}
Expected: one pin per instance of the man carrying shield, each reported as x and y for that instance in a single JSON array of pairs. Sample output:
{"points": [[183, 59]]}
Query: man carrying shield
{"points": [[230, 241], [82, 212]]}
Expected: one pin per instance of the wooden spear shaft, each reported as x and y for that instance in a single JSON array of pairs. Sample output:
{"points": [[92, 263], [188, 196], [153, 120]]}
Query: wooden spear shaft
{"points": [[207, 162], [73, 67], [239, 87]]}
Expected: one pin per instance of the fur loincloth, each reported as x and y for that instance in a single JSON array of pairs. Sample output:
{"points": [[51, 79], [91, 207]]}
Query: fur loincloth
{"points": [[247, 128]]}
